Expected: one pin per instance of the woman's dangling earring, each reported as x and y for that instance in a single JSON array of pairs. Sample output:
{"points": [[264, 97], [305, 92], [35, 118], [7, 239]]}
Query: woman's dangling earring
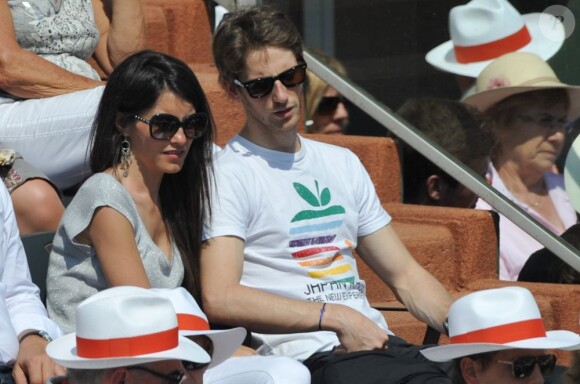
{"points": [[125, 156]]}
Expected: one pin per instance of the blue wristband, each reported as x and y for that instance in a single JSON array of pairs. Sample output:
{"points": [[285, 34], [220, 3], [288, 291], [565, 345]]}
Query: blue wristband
{"points": [[322, 310]]}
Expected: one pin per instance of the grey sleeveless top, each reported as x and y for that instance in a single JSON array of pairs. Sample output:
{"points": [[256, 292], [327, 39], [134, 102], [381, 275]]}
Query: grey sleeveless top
{"points": [[61, 31], [74, 272]]}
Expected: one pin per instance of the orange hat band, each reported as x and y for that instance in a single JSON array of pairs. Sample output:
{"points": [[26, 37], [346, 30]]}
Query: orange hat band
{"points": [[191, 323], [503, 334], [488, 51], [128, 346]]}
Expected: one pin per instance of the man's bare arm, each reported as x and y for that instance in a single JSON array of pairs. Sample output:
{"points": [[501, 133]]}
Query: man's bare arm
{"points": [[226, 301], [422, 294]]}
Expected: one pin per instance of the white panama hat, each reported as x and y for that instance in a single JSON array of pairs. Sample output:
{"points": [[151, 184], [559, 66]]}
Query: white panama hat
{"points": [[498, 319], [193, 322], [483, 30], [124, 326]]}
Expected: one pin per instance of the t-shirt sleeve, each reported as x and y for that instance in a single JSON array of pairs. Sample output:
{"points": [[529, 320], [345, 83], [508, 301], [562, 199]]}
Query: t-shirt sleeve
{"points": [[98, 191], [372, 216], [230, 211]]}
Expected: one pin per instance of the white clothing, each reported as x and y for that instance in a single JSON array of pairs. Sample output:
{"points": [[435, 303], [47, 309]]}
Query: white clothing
{"points": [[515, 245], [52, 134], [20, 305], [300, 215], [258, 370]]}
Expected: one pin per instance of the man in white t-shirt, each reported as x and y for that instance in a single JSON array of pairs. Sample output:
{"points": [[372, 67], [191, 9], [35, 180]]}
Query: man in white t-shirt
{"points": [[287, 213]]}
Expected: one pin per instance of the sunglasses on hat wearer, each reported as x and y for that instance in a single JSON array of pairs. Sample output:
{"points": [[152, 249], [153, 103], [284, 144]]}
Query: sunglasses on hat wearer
{"points": [[164, 126], [176, 377], [524, 366], [193, 366], [263, 86], [328, 104]]}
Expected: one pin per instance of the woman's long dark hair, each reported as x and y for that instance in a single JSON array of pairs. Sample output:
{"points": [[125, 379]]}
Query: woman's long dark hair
{"points": [[133, 88]]}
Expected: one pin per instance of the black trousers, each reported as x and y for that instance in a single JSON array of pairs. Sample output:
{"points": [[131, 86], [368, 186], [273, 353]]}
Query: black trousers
{"points": [[400, 363]]}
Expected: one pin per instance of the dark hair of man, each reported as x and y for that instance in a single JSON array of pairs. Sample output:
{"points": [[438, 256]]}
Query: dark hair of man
{"points": [[483, 359], [543, 266], [250, 29], [134, 87], [458, 128]]}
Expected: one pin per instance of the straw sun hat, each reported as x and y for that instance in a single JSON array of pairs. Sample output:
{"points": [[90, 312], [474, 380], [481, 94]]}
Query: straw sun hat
{"points": [[193, 322], [498, 319], [124, 326], [515, 73], [483, 30]]}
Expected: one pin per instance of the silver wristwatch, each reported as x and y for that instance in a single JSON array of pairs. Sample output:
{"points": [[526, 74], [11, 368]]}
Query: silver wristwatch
{"points": [[42, 334]]}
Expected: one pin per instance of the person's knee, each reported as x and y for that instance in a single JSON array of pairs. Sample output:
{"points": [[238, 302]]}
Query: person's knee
{"points": [[37, 206], [285, 370]]}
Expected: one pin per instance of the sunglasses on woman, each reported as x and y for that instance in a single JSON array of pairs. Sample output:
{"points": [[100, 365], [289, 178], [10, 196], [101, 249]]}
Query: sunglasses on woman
{"points": [[328, 105], [524, 366], [261, 87], [164, 126]]}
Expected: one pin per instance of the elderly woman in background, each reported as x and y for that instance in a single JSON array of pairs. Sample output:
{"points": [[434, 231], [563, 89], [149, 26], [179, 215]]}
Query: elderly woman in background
{"points": [[530, 108], [326, 110]]}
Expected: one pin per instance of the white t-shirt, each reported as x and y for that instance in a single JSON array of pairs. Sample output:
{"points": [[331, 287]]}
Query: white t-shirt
{"points": [[300, 215]]}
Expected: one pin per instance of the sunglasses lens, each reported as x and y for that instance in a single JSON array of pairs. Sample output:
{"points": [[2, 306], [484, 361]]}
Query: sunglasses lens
{"points": [[261, 87], [164, 126], [328, 105], [293, 76], [193, 366], [524, 366], [195, 125], [547, 363]]}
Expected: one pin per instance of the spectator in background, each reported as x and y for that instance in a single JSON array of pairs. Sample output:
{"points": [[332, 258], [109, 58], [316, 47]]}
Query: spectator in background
{"points": [[326, 110], [25, 328], [498, 336], [125, 335], [530, 108], [49, 93], [483, 30], [463, 132]]}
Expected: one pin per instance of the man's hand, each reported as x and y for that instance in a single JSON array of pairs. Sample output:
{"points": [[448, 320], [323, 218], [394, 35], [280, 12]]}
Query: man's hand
{"points": [[33, 364], [355, 331]]}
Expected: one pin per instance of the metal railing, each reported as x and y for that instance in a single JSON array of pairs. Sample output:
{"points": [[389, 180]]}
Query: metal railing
{"points": [[435, 153]]}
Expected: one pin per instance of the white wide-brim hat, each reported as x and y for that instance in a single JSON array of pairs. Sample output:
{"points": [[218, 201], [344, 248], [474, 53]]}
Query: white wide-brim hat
{"points": [[516, 73], [483, 30], [497, 319], [124, 326], [193, 322], [572, 174]]}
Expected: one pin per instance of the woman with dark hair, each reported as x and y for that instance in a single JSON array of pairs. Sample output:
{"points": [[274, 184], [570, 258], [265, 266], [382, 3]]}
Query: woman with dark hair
{"points": [[138, 219]]}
